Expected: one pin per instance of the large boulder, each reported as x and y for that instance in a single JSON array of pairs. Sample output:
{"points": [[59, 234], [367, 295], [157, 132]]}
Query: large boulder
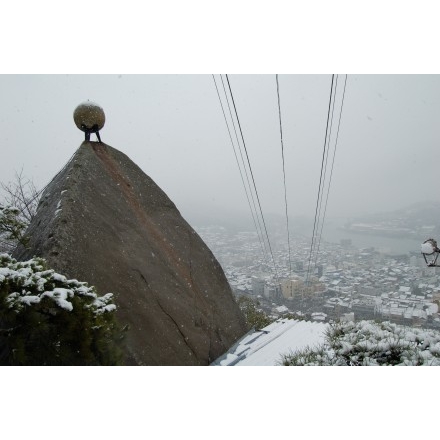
{"points": [[104, 221]]}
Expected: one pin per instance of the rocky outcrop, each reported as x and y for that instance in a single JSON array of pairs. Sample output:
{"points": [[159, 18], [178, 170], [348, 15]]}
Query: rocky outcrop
{"points": [[104, 221]]}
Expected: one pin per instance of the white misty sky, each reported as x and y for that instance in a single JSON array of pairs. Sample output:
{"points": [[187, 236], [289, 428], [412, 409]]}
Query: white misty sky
{"points": [[173, 128]]}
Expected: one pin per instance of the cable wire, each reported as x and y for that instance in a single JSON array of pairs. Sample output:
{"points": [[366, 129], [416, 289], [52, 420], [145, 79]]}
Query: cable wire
{"points": [[319, 222], [284, 175], [333, 162], [320, 179], [260, 228], [238, 163], [253, 179]]}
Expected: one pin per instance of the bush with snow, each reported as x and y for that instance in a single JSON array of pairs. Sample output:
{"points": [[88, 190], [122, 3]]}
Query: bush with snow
{"points": [[47, 319], [370, 343]]}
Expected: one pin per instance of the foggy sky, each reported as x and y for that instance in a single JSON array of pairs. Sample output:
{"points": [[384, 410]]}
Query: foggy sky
{"points": [[173, 128]]}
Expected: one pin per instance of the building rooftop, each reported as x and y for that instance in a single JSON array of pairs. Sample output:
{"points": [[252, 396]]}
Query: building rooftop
{"points": [[265, 347]]}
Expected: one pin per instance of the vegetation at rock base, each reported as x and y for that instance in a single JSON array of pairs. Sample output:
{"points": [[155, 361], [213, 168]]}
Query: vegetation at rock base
{"points": [[11, 228], [370, 343], [46, 319], [255, 317]]}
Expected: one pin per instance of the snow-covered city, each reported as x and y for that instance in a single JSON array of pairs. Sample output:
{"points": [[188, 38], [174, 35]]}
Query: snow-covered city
{"points": [[345, 282]]}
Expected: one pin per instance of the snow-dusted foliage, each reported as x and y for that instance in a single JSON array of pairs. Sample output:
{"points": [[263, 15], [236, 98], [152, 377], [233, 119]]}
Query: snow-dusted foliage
{"points": [[48, 319], [33, 283], [370, 343]]}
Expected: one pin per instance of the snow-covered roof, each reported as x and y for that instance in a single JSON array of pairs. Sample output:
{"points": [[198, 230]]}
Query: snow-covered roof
{"points": [[266, 346]]}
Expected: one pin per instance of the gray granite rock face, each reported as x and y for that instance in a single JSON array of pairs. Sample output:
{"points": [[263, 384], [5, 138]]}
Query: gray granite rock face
{"points": [[104, 221]]}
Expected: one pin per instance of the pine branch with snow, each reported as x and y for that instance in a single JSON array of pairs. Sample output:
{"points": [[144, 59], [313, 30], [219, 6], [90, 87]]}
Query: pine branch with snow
{"points": [[47, 319]]}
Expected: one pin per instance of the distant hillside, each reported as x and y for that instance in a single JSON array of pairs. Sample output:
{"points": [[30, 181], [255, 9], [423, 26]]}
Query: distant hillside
{"points": [[417, 213], [419, 221], [236, 220]]}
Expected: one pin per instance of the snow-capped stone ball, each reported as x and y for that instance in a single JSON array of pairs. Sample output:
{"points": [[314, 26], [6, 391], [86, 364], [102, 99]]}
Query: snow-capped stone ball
{"points": [[429, 246], [89, 117]]}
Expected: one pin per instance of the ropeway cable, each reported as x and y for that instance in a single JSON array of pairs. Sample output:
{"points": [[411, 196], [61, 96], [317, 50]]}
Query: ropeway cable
{"points": [[284, 176], [260, 228], [320, 179], [239, 168], [333, 162], [319, 221], [253, 179]]}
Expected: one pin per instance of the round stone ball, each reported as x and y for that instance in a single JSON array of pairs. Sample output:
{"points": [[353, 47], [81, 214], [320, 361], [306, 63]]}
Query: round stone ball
{"points": [[89, 117]]}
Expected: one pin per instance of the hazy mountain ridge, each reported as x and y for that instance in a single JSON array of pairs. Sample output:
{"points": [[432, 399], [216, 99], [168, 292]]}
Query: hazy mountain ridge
{"points": [[420, 220]]}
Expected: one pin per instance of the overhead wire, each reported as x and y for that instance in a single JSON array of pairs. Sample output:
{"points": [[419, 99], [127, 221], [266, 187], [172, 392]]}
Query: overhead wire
{"points": [[320, 179], [253, 179], [284, 176], [319, 221], [239, 167], [333, 162], [259, 228]]}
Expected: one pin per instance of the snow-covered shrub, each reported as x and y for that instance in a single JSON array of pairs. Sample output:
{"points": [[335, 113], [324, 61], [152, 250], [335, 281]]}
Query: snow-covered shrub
{"points": [[46, 319], [371, 343]]}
